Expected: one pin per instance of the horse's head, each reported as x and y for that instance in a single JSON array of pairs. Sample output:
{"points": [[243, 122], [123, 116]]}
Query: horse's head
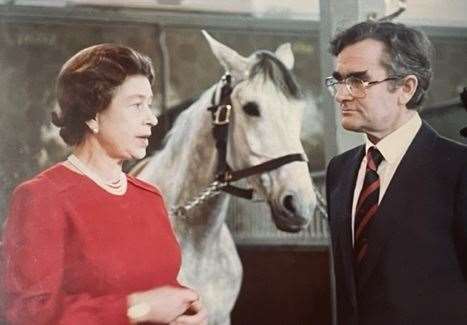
{"points": [[267, 111]]}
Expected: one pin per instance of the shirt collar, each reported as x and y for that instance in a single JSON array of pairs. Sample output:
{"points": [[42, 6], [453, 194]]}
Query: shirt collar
{"points": [[394, 145]]}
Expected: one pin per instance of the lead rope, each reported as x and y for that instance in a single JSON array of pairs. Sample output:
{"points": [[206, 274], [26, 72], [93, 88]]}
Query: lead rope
{"points": [[210, 191], [322, 205], [215, 188]]}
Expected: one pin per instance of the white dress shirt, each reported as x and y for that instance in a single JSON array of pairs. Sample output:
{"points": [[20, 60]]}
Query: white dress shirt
{"points": [[393, 147]]}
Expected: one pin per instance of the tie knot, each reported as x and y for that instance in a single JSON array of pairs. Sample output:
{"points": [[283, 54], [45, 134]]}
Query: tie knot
{"points": [[374, 158]]}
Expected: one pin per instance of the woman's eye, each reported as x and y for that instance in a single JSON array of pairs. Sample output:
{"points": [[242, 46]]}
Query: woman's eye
{"points": [[138, 106], [251, 108]]}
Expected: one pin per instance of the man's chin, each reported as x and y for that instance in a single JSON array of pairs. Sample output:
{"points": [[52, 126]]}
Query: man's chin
{"points": [[350, 126]]}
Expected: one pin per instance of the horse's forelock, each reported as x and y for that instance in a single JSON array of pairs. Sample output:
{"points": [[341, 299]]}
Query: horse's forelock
{"points": [[270, 67]]}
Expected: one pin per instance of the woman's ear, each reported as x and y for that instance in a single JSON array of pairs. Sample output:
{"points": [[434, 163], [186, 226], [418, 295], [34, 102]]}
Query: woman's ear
{"points": [[93, 125], [407, 89]]}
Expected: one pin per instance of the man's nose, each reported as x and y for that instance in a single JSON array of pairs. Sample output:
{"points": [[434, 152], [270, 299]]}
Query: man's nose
{"points": [[342, 93]]}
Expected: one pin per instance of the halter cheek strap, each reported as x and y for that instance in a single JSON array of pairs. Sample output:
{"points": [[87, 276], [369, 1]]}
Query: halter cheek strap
{"points": [[220, 113]]}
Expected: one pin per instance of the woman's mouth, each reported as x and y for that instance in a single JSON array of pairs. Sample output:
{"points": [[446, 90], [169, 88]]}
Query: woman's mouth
{"points": [[143, 140]]}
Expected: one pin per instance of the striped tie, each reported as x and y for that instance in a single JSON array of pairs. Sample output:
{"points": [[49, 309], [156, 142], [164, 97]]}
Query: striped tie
{"points": [[367, 204]]}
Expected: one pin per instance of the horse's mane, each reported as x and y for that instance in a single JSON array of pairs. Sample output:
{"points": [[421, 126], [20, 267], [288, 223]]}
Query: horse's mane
{"points": [[271, 68]]}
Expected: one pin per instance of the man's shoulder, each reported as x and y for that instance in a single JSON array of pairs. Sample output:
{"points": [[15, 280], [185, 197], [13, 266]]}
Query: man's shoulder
{"points": [[443, 143], [451, 145], [450, 152], [346, 156], [344, 162]]}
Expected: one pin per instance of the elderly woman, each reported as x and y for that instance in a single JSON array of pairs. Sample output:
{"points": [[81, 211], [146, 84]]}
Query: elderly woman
{"points": [[84, 243]]}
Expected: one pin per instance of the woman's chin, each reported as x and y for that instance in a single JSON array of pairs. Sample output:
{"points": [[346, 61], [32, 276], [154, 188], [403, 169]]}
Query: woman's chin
{"points": [[138, 154]]}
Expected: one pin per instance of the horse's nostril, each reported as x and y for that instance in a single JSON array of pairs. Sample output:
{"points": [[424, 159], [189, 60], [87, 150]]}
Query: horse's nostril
{"points": [[288, 203]]}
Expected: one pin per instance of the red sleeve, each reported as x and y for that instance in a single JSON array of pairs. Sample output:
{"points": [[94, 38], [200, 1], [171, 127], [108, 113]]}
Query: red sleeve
{"points": [[34, 250]]}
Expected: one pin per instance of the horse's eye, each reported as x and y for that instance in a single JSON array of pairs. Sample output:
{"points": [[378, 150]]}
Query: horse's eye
{"points": [[251, 108]]}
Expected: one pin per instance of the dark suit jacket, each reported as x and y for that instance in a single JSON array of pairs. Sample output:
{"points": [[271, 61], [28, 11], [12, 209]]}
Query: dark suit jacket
{"points": [[416, 268]]}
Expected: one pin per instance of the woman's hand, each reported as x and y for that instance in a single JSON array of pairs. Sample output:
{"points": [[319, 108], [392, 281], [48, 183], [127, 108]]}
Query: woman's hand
{"points": [[162, 305], [195, 315]]}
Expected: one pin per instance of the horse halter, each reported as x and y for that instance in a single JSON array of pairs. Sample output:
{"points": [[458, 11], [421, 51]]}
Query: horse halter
{"points": [[220, 112], [221, 107]]}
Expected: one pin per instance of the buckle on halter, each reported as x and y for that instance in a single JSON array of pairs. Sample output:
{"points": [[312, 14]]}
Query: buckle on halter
{"points": [[225, 177], [222, 114]]}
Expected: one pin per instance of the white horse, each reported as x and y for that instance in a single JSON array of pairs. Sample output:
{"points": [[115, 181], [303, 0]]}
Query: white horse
{"points": [[266, 118]]}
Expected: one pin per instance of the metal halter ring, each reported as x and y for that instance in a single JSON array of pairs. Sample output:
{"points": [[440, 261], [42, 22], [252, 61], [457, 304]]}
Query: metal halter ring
{"points": [[222, 115]]}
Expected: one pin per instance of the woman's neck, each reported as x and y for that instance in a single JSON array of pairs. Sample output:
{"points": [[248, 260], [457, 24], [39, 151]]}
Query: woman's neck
{"points": [[98, 161]]}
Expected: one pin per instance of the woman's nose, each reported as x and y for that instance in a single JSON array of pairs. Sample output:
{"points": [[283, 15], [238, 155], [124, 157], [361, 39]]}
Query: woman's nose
{"points": [[152, 118]]}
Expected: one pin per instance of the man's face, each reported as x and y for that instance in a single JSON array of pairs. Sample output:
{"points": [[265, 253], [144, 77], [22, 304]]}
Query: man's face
{"points": [[378, 113]]}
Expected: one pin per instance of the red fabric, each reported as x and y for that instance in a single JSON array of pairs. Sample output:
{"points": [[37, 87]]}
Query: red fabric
{"points": [[73, 252]]}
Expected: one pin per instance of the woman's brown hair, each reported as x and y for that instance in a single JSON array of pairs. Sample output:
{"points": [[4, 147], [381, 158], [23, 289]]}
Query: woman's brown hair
{"points": [[86, 83]]}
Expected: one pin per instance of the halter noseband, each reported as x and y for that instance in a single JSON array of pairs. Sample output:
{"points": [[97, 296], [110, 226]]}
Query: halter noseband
{"points": [[220, 113]]}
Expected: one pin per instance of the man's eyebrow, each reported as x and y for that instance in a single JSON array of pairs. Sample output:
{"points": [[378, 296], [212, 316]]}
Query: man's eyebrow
{"points": [[336, 75], [357, 74]]}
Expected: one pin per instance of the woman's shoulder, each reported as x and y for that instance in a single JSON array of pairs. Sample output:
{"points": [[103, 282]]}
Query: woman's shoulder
{"points": [[143, 185], [54, 179]]}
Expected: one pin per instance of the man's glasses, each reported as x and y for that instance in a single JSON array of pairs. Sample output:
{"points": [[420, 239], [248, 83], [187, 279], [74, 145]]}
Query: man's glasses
{"points": [[356, 87]]}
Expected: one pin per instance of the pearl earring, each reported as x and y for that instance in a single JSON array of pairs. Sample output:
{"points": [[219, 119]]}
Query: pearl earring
{"points": [[94, 130]]}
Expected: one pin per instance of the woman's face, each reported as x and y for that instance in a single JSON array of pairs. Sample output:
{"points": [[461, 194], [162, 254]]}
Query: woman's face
{"points": [[125, 125]]}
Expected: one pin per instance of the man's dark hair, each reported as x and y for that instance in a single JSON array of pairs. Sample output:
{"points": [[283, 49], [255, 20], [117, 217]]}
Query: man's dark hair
{"points": [[409, 51], [86, 84]]}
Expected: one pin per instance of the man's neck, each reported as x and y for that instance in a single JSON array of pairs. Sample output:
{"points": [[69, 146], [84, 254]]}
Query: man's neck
{"points": [[405, 116]]}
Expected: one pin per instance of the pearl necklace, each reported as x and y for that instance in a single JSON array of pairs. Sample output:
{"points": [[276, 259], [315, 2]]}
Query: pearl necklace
{"points": [[117, 187]]}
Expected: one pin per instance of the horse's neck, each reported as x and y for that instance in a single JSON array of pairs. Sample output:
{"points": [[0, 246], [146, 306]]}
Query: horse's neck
{"points": [[185, 166]]}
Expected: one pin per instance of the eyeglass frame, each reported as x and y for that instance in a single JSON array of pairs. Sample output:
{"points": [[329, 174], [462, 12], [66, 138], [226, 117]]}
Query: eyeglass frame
{"points": [[366, 84]]}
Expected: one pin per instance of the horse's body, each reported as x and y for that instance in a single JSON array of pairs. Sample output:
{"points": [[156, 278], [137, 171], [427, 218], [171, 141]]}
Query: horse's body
{"points": [[266, 120]]}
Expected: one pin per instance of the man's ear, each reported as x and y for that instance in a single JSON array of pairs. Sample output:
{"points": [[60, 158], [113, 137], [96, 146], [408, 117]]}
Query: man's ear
{"points": [[407, 89]]}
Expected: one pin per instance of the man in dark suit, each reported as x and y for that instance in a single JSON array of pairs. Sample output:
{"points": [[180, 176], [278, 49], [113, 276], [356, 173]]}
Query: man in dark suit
{"points": [[397, 204]]}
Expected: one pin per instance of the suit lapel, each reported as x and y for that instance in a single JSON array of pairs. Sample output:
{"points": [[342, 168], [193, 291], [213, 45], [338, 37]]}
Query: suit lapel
{"points": [[343, 216], [390, 214]]}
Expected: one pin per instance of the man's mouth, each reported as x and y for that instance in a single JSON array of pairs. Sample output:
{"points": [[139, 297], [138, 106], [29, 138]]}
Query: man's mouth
{"points": [[345, 110]]}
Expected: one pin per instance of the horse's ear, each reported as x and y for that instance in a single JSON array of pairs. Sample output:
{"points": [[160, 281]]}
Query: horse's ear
{"points": [[230, 60], [285, 54]]}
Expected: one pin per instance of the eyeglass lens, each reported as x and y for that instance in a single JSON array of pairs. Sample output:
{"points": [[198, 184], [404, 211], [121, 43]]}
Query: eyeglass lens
{"points": [[354, 85]]}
